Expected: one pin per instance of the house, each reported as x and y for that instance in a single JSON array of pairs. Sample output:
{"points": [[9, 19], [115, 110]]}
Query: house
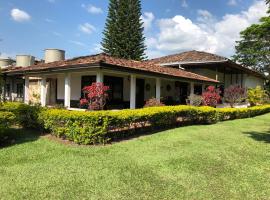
{"points": [[215, 67], [57, 80]]}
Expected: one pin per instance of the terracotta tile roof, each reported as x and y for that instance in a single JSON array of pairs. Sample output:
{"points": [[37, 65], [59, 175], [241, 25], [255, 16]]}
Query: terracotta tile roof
{"points": [[195, 57], [102, 59], [189, 56]]}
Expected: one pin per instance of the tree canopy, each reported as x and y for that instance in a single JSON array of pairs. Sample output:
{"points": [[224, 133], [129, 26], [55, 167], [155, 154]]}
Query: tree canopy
{"points": [[123, 34], [253, 49]]}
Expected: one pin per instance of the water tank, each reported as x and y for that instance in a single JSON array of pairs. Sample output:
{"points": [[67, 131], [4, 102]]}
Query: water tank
{"points": [[4, 62], [24, 60], [52, 55]]}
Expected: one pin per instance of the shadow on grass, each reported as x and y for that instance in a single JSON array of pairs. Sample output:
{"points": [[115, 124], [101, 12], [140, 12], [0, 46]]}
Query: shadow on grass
{"points": [[16, 136], [259, 136]]}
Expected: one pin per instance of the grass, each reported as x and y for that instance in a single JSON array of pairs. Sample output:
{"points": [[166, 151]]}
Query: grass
{"points": [[228, 160]]}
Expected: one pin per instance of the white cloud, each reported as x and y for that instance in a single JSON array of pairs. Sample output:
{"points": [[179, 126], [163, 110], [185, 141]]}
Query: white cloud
{"points": [[184, 4], [78, 43], [92, 9], [19, 15], [97, 48], [206, 33], [49, 20], [147, 19], [56, 34], [87, 28], [232, 2]]}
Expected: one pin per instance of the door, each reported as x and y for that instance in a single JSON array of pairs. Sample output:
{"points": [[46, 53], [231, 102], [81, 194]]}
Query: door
{"points": [[139, 93], [183, 92]]}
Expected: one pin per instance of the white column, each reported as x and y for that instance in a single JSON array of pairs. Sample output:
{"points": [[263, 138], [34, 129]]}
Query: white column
{"points": [[158, 86], [191, 88], [67, 90], [99, 77], [26, 89], [43, 92], [132, 92]]}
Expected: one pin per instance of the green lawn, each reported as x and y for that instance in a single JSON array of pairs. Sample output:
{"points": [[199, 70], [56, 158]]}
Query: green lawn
{"points": [[228, 160]]}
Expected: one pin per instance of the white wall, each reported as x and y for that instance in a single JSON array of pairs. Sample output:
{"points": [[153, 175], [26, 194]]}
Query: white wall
{"points": [[148, 94], [248, 80], [75, 86], [252, 81], [60, 87], [164, 91]]}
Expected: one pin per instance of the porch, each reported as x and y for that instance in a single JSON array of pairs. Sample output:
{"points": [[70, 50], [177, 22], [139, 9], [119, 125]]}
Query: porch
{"points": [[127, 90]]}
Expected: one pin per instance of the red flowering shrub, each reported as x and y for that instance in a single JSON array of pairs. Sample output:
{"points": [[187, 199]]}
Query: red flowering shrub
{"points": [[211, 97], [235, 94], [96, 96]]}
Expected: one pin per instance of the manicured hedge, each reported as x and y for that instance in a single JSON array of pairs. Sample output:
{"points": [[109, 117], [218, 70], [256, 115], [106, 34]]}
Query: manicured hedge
{"points": [[26, 115], [100, 127], [6, 120], [103, 126]]}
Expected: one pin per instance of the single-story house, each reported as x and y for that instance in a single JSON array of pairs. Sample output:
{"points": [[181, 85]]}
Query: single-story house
{"points": [[57, 80], [213, 66]]}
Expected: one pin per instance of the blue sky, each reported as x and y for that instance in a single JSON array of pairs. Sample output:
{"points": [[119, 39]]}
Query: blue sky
{"points": [[171, 26]]}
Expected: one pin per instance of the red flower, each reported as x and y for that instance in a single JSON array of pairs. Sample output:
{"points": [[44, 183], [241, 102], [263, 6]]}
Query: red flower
{"points": [[96, 95], [211, 97]]}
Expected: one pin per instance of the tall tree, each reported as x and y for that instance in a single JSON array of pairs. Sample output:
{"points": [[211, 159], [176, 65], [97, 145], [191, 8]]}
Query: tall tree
{"points": [[253, 50], [123, 34]]}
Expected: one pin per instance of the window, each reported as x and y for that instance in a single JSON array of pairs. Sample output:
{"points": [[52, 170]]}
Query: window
{"points": [[116, 88], [20, 90], [7, 90], [198, 89], [86, 81]]}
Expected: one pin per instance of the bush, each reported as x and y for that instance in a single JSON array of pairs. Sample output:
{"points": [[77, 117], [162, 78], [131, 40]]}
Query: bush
{"points": [[103, 126], [257, 96], [235, 94], [6, 120], [211, 97], [26, 115], [195, 100], [100, 127], [153, 102], [96, 96]]}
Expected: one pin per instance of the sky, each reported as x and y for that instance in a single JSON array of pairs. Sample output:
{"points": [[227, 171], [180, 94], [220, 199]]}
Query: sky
{"points": [[171, 26]]}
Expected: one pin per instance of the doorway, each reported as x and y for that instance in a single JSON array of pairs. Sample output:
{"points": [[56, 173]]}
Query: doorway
{"points": [[139, 93], [183, 91]]}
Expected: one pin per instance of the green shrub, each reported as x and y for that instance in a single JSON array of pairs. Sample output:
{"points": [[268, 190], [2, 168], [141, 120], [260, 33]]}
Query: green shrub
{"points": [[26, 115], [6, 120], [257, 96], [99, 127], [103, 126]]}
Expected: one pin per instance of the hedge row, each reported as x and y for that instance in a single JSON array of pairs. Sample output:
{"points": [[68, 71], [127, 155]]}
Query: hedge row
{"points": [[6, 120], [103, 126], [25, 115]]}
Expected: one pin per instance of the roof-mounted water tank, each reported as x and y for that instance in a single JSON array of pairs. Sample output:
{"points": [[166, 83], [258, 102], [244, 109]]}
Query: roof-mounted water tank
{"points": [[24, 60], [52, 55], [5, 62]]}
